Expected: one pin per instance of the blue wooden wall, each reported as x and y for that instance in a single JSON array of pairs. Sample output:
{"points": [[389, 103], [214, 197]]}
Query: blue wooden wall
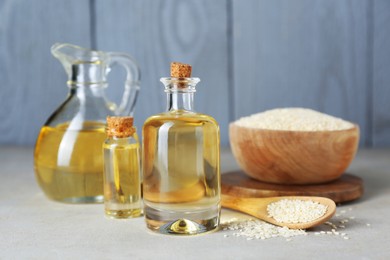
{"points": [[332, 56]]}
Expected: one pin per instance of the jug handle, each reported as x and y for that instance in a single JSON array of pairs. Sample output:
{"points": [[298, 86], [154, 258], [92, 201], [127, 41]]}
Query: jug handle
{"points": [[132, 83]]}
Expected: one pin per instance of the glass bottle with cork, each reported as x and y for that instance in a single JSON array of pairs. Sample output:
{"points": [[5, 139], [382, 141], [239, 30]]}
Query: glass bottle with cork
{"points": [[122, 185], [181, 164]]}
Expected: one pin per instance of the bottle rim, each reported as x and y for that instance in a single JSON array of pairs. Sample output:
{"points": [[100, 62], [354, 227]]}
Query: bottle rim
{"points": [[181, 85]]}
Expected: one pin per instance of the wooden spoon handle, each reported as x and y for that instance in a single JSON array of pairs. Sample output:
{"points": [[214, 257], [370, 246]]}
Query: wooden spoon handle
{"points": [[230, 202], [252, 206]]}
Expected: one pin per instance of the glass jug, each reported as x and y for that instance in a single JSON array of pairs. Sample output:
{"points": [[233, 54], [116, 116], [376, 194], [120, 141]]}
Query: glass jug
{"points": [[68, 159]]}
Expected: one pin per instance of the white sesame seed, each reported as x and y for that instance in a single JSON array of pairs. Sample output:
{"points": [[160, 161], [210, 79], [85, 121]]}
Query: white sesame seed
{"points": [[256, 229], [295, 210], [298, 119]]}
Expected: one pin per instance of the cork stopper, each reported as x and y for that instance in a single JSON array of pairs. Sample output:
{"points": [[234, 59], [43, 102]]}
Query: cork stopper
{"points": [[120, 126], [180, 70]]}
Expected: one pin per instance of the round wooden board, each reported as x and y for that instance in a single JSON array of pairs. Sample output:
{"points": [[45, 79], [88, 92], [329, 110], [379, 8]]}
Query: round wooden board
{"points": [[348, 187]]}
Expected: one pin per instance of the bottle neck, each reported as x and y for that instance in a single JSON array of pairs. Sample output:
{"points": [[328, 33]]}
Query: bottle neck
{"points": [[180, 93], [180, 101]]}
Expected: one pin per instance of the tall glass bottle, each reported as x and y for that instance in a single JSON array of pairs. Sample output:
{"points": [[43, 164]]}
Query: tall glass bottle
{"points": [[181, 167]]}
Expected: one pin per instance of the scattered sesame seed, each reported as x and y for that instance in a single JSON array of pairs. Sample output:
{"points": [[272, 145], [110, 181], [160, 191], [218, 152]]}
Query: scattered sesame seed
{"points": [[289, 211], [368, 224], [257, 229]]}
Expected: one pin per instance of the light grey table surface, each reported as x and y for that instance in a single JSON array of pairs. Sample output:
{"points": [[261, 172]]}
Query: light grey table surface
{"points": [[33, 227]]}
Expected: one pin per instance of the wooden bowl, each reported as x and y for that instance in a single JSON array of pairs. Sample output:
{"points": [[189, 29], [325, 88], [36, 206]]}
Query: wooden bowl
{"points": [[293, 157]]}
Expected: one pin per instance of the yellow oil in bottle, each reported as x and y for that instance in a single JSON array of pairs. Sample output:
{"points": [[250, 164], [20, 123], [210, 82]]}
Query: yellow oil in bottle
{"points": [[181, 172], [122, 189], [69, 163]]}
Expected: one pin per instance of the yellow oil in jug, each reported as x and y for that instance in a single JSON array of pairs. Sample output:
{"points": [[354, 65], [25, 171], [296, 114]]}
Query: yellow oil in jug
{"points": [[69, 163]]}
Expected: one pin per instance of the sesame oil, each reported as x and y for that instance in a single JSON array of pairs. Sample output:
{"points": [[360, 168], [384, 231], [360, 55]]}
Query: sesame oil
{"points": [[122, 175], [68, 157], [69, 163], [181, 166], [181, 178]]}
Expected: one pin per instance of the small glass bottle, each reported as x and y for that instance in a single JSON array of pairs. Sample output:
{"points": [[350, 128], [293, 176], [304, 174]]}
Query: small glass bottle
{"points": [[122, 184], [181, 171]]}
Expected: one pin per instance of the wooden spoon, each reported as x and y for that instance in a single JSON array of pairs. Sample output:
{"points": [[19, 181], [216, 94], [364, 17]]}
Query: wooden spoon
{"points": [[257, 207]]}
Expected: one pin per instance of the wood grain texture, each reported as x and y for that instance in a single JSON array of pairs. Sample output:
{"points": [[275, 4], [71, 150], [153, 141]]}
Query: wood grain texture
{"points": [[331, 56], [158, 32], [304, 54], [381, 74], [33, 83], [293, 157], [348, 187]]}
